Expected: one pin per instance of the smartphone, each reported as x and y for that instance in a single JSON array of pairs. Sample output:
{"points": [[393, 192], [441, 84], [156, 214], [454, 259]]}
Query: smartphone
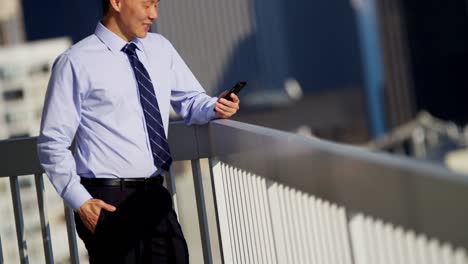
{"points": [[236, 89]]}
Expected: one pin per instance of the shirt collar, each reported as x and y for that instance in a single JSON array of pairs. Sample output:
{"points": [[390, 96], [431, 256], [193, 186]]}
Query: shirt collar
{"points": [[112, 40]]}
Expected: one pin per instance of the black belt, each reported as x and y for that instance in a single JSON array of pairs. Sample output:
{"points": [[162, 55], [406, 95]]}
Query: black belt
{"points": [[123, 182]]}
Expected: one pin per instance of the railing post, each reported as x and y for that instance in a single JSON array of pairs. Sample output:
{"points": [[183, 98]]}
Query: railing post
{"points": [[16, 197], [46, 239], [72, 244], [201, 208], [1, 250], [171, 187], [220, 205]]}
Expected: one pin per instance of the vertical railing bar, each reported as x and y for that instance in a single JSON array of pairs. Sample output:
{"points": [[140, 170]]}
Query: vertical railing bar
{"points": [[230, 205], [291, 214], [347, 222], [308, 228], [369, 226], [334, 233], [407, 247], [277, 225], [219, 199], [269, 230], [242, 214], [72, 243], [171, 187], [380, 240], [237, 208], [301, 226], [201, 208], [259, 215], [321, 231], [245, 209], [1, 250], [229, 208], [17, 208], [239, 215], [358, 240], [283, 207], [330, 234], [254, 217], [460, 256], [315, 227], [433, 246], [212, 214], [388, 231], [288, 223], [397, 239], [337, 235], [328, 208], [240, 181], [448, 253], [344, 235], [251, 215], [45, 226], [422, 243], [297, 226]]}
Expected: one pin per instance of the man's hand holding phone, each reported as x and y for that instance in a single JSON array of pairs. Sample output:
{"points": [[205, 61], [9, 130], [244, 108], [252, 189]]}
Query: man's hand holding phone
{"points": [[225, 108], [228, 102]]}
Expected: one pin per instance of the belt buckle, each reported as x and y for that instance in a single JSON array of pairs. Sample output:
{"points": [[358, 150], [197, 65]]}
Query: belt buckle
{"points": [[140, 183], [124, 183]]}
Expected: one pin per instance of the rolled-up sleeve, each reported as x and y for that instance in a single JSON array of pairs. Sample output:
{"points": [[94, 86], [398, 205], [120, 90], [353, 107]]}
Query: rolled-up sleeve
{"points": [[60, 121]]}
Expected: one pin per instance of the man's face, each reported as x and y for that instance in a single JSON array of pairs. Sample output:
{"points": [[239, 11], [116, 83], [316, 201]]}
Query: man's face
{"points": [[136, 17]]}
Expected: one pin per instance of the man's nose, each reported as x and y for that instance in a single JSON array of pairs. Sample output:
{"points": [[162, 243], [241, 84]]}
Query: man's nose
{"points": [[154, 13]]}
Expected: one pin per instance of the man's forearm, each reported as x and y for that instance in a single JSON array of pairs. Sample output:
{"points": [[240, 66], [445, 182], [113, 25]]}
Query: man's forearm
{"points": [[60, 167]]}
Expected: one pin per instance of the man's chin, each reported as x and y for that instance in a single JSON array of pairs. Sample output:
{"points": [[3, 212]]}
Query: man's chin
{"points": [[142, 35]]}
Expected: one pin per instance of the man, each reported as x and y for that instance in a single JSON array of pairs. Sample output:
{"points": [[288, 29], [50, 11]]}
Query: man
{"points": [[110, 93]]}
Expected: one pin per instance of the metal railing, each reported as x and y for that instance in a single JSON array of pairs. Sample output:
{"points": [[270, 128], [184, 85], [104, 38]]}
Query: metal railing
{"points": [[283, 198]]}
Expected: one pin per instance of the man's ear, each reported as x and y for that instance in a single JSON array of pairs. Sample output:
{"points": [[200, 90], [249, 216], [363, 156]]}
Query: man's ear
{"points": [[116, 4]]}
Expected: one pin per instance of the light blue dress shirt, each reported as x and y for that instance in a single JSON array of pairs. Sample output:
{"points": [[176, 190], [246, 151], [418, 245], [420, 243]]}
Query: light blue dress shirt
{"points": [[93, 98]]}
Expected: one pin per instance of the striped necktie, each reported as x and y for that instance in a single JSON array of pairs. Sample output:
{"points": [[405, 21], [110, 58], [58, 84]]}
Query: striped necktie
{"points": [[157, 137]]}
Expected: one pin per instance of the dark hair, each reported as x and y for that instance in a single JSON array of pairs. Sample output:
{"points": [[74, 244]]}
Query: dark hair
{"points": [[105, 6]]}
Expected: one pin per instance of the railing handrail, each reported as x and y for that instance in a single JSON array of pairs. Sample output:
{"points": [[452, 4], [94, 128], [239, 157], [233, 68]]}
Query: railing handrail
{"points": [[429, 168], [18, 156]]}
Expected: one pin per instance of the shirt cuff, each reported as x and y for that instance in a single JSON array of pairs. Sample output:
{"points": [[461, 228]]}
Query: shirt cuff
{"points": [[212, 113], [76, 195]]}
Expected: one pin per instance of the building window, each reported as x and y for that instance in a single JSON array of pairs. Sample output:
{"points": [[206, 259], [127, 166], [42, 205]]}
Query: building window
{"points": [[13, 95], [25, 182], [15, 117], [9, 73], [42, 68], [45, 68], [19, 135], [8, 118]]}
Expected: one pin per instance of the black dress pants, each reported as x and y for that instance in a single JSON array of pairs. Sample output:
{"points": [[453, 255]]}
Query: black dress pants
{"points": [[143, 229]]}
